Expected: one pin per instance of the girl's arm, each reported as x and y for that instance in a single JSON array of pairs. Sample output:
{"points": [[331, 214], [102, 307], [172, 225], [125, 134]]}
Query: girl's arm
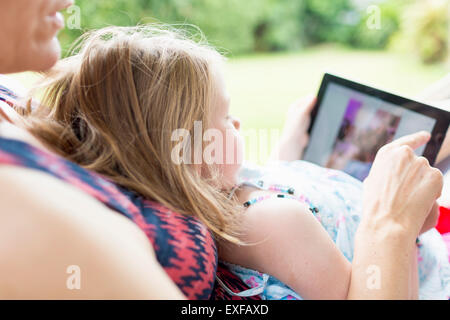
{"points": [[287, 242], [46, 226]]}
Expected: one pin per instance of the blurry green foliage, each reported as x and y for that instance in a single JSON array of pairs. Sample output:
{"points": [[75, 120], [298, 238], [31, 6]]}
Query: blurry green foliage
{"points": [[264, 25], [327, 21], [427, 24], [227, 24], [390, 21]]}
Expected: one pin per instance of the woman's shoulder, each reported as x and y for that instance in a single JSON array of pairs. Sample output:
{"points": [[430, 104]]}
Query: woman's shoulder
{"points": [[183, 246], [53, 233]]}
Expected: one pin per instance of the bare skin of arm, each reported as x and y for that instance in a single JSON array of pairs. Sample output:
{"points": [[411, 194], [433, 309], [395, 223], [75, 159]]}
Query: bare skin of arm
{"points": [[393, 219], [47, 225], [286, 241]]}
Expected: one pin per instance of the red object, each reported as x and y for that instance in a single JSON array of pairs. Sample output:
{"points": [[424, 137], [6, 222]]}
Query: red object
{"points": [[443, 225]]}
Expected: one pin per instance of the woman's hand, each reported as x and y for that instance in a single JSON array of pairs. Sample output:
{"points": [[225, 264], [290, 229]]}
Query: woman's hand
{"points": [[402, 188], [295, 132], [399, 194], [432, 219]]}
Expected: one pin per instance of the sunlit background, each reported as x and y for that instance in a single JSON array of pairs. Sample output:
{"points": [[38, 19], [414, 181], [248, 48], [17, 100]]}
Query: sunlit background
{"points": [[278, 50]]}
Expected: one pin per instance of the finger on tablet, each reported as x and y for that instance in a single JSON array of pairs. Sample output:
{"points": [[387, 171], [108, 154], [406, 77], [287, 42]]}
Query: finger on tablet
{"points": [[414, 140]]}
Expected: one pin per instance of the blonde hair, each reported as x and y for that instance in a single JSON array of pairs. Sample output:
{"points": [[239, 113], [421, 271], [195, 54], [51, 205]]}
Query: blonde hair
{"points": [[113, 106]]}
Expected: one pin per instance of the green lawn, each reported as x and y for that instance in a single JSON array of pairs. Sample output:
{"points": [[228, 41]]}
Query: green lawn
{"points": [[263, 86]]}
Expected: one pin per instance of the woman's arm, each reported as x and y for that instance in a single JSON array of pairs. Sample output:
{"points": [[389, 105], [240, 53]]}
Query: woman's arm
{"points": [[292, 246], [288, 242], [46, 226], [399, 193]]}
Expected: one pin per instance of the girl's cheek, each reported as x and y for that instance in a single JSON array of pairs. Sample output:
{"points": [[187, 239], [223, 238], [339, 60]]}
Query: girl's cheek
{"points": [[233, 148], [233, 158], [240, 149]]}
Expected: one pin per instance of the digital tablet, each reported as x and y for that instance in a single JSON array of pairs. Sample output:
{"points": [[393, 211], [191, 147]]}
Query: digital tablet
{"points": [[351, 121]]}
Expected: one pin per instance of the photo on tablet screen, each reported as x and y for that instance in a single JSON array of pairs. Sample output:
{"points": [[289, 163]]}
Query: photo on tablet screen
{"points": [[352, 122], [363, 131]]}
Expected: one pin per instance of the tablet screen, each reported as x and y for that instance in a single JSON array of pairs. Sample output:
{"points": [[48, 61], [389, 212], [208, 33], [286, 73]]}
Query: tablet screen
{"points": [[350, 127]]}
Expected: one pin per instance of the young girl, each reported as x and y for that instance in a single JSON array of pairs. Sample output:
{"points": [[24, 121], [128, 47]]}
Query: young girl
{"points": [[113, 108]]}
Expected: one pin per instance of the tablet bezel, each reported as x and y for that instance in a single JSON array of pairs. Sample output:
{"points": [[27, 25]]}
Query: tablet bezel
{"points": [[442, 117]]}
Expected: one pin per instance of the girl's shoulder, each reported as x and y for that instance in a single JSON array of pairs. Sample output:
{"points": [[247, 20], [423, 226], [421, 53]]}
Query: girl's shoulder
{"points": [[270, 216], [266, 207]]}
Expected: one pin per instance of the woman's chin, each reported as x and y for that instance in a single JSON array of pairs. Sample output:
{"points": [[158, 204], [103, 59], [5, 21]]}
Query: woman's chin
{"points": [[47, 56], [53, 55]]}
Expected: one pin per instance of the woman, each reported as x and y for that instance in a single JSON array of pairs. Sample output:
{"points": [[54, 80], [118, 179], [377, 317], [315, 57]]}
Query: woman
{"points": [[35, 264], [394, 216]]}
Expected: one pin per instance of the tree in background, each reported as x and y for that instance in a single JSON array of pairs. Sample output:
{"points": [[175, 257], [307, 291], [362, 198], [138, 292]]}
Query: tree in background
{"points": [[227, 24], [241, 27]]}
